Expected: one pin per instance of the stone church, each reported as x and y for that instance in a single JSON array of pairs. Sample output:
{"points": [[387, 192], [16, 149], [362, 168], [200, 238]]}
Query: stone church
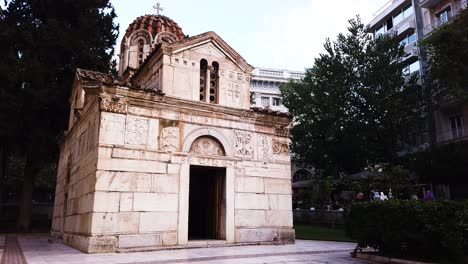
{"points": [[170, 154]]}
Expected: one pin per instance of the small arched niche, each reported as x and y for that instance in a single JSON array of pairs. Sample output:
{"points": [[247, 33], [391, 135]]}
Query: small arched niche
{"points": [[207, 146]]}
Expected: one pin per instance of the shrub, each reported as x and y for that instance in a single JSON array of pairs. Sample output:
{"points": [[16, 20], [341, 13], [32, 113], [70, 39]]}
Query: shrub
{"points": [[433, 230]]}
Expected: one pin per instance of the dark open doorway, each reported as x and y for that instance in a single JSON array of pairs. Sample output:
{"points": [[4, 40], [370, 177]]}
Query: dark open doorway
{"points": [[207, 206]]}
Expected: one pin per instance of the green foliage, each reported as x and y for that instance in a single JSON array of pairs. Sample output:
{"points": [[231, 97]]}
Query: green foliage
{"points": [[394, 177], [433, 230], [448, 59], [43, 42], [354, 105], [441, 163], [320, 232]]}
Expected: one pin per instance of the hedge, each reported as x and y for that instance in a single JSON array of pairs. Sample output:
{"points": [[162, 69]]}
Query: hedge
{"points": [[429, 230]]}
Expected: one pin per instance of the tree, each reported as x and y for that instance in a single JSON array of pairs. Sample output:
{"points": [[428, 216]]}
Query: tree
{"points": [[354, 105], [447, 49], [45, 41]]}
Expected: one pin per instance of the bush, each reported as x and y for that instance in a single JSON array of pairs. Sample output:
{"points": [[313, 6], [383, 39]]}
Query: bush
{"points": [[432, 230]]}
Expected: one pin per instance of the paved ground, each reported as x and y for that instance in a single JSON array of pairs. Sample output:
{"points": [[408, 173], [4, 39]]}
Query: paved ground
{"points": [[38, 251]]}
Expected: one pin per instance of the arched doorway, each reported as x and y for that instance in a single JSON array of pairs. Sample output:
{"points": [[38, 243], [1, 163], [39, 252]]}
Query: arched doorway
{"points": [[207, 193]]}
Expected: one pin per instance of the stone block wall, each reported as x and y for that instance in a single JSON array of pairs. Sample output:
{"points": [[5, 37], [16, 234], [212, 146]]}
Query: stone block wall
{"points": [[74, 195], [130, 190]]}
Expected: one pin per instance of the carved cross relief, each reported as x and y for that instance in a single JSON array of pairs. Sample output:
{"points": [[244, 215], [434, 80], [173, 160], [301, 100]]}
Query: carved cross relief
{"points": [[207, 146]]}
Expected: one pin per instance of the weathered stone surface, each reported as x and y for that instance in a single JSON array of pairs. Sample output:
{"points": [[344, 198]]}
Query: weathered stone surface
{"points": [[280, 202], [136, 131], [287, 235], [106, 201], [251, 201], [132, 165], [126, 202], [102, 244], [115, 223], [166, 183], [249, 184], [250, 218], [278, 186], [268, 172], [153, 134], [256, 235], [123, 181], [112, 129], [123, 153], [279, 218], [149, 240], [152, 202], [173, 168], [157, 221], [169, 238]]}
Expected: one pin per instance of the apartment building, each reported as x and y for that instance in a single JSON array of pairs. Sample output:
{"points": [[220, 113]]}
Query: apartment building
{"points": [[412, 21], [451, 116], [264, 86]]}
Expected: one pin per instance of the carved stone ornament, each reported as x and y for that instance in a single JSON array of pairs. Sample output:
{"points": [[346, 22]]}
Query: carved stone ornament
{"points": [[282, 131], [136, 131], [264, 148], [239, 76], [207, 146], [244, 144], [170, 138], [280, 147], [113, 104]]}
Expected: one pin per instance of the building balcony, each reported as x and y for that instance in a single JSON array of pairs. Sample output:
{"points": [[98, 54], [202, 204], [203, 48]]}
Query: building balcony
{"points": [[428, 29], [429, 3], [412, 54], [403, 27]]}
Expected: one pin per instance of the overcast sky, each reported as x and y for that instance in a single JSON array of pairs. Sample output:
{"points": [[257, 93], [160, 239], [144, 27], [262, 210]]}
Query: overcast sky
{"points": [[267, 33]]}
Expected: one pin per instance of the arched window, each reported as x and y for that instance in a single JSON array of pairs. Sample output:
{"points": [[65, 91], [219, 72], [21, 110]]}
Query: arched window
{"points": [[214, 83], [203, 79], [141, 44]]}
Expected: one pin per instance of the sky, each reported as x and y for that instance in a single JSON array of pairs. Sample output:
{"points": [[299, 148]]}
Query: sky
{"points": [[267, 33]]}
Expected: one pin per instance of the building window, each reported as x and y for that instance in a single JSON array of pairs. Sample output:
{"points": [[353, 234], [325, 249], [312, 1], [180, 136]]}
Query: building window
{"points": [[380, 31], [457, 126], [141, 45], [444, 16], [404, 13], [265, 101], [412, 68], [409, 39], [203, 70], [276, 101], [214, 82]]}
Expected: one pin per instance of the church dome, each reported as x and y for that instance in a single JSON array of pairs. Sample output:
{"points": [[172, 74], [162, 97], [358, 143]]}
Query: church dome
{"points": [[155, 24]]}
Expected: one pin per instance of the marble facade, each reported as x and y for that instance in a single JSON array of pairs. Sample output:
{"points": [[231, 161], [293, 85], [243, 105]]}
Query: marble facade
{"points": [[124, 170]]}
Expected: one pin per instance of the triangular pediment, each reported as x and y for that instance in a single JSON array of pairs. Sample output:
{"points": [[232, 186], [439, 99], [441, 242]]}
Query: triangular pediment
{"points": [[211, 43], [211, 49]]}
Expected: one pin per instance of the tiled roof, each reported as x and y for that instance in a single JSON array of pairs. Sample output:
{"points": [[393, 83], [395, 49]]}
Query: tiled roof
{"points": [[155, 24]]}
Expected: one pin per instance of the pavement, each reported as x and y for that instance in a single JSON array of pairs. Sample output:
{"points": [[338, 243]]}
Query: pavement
{"points": [[37, 250]]}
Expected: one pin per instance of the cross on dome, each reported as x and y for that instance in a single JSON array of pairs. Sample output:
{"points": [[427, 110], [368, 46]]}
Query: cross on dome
{"points": [[158, 8]]}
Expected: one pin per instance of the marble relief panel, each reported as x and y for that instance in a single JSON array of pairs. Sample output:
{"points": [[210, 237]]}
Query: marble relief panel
{"points": [[136, 132]]}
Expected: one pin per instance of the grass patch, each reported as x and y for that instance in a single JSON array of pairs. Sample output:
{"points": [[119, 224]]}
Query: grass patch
{"points": [[319, 232]]}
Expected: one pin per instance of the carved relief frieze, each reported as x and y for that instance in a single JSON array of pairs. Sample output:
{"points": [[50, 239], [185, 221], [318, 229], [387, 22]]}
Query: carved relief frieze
{"points": [[208, 162], [207, 146], [113, 104], [244, 144], [282, 131], [280, 147], [264, 148], [170, 138], [136, 132]]}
